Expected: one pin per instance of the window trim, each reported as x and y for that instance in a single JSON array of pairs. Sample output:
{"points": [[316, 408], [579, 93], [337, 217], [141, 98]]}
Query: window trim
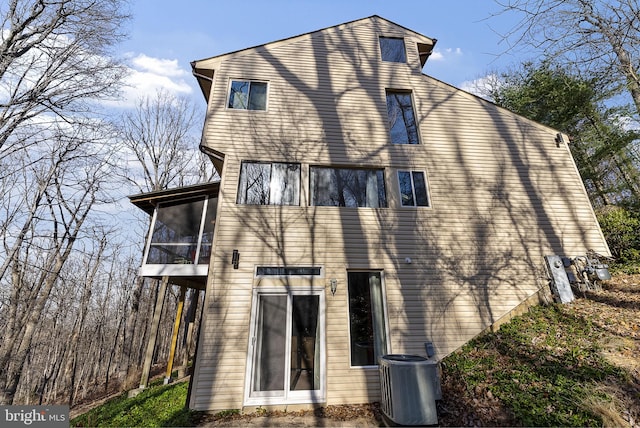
{"points": [[359, 168], [413, 189], [409, 92], [385, 313], [250, 81], [320, 273], [404, 46], [270, 163]]}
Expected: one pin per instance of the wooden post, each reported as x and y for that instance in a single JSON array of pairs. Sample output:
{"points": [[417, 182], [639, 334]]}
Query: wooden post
{"points": [[188, 336], [174, 337], [153, 334]]}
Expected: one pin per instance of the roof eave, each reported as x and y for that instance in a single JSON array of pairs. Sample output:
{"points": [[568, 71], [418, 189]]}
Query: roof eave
{"points": [[149, 200]]}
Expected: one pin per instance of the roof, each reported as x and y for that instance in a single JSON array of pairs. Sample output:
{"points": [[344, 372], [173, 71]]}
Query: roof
{"points": [[204, 73], [148, 201]]}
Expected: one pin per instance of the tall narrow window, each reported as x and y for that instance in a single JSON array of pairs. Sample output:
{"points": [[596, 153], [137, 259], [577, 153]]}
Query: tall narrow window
{"points": [[248, 95], [269, 184], [346, 187], [402, 120], [413, 189], [366, 318], [392, 49]]}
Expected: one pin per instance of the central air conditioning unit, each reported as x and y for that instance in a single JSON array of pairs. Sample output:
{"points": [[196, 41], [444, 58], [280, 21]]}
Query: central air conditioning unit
{"points": [[410, 386]]}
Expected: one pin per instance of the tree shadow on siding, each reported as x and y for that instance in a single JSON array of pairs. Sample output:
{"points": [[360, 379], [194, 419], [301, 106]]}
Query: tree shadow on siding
{"points": [[464, 264], [492, 248], [329, 143]]}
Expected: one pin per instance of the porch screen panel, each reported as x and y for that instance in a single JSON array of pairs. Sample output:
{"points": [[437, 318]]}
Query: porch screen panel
{"points": [[175, 234], [207, 231]]}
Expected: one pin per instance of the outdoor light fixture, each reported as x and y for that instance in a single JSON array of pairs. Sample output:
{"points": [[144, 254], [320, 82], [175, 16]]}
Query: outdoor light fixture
{"points": [[235, 259], [334, 286], [559, 139]]}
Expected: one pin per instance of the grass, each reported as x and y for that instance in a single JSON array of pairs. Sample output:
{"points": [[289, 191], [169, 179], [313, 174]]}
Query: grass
{"points": [[156, 406], [544, 368]]}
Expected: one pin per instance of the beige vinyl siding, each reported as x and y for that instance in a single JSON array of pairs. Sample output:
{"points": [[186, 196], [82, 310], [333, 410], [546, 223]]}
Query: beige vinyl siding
{"points": [[502, 196]]}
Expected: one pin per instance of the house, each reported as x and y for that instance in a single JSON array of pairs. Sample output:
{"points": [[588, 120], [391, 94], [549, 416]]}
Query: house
{"points": [[364, 209]]}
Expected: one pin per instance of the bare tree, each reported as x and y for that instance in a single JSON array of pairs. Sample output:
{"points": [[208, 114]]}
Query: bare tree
{"points": [[602, 36], [53, 221], [78, 328], [160, 134], [71, 315], [54, 59]]}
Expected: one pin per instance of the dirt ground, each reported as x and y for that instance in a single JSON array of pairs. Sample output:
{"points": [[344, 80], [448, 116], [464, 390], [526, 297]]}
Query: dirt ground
{"points": [[360, 415]]}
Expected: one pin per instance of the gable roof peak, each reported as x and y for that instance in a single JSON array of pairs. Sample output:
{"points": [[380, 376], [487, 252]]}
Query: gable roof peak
{"points": [[344, 24], [203, 69]]}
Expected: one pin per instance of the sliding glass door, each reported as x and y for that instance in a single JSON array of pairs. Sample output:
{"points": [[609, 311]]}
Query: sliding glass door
{"points": [[286, 347]]}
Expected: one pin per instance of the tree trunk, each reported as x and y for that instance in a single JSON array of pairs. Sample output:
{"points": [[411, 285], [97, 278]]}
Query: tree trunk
{"points": [[57, 258]]}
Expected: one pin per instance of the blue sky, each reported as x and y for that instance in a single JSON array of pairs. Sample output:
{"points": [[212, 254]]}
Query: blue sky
{"points": [[165, 36]]}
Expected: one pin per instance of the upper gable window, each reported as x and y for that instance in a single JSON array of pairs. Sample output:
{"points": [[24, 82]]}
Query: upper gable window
{"points": [[392, 49], [402, 120], [248, 95], [269, 184]]}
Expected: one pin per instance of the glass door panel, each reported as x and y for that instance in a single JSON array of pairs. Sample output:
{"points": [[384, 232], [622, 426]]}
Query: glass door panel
{"points": [[304, 346], [271, 341]]}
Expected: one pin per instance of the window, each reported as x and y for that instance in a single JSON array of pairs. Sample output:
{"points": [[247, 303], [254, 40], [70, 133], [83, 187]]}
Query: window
{"points": [[248, 95], [413, 189], [269, 184], [402, 121], [288, 271], [345, 187], [392, 49], [367, 326]]}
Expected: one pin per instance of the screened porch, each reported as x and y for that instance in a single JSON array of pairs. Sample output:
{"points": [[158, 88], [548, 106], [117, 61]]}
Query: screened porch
{"points": [[181, 233]]}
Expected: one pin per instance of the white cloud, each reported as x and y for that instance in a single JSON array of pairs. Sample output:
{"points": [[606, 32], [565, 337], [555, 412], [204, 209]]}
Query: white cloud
{"points": [[628, 123], [147, 75], [481, 85], [166, 67], [443, 55]]}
